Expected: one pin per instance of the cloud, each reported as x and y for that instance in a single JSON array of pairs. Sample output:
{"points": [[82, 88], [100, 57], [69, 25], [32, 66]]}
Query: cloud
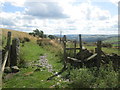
{"points": [[44, 10]]}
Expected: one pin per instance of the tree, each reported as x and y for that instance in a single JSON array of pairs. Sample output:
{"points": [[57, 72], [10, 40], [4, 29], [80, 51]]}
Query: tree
{"points": [[41, 34], [51, 36]]}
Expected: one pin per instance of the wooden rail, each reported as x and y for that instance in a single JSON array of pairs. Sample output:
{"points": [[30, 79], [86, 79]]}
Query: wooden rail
{"points": [[4, 62], [74, 59]]}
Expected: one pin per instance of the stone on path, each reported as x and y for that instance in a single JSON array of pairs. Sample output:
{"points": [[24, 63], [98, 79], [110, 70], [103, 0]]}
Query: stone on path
{"points": [[15, 69], [44, 62]]}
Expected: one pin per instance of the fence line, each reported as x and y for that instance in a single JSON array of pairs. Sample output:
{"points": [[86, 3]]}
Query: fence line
{"points": [[97, 54]]}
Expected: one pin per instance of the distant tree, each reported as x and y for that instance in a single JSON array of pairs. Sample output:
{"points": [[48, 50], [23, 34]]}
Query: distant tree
{"points": [[41, 34], [51, 36], [108, 45], [44, 36], [31, 33]]}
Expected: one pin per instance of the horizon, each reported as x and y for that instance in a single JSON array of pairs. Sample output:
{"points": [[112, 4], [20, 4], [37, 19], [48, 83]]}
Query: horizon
{"points": [[70, 16]]}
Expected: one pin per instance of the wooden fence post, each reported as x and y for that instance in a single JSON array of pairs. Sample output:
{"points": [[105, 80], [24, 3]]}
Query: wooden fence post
{"points": [[15, 52], [75, 49], [64, 46], [8, 48], [80, 43], [99, 52]]}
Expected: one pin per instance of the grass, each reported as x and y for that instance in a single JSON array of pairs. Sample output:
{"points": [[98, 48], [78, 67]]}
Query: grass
{"points": [[105, 50], [16, 34], [112, 40], [34, 80], [31, 51]]}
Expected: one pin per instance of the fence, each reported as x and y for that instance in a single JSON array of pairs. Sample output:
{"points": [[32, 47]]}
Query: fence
{"points": [[85, 57], [10, 54]]}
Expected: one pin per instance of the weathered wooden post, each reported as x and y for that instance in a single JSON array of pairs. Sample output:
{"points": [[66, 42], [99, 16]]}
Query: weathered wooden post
{"points": [[8, 48], [80, 43], [64, 46], [99, 52], [75, 49], [60, 36], [15, 52]]}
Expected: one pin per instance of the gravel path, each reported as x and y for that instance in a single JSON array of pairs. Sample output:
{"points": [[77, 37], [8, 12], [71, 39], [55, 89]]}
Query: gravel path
{"points": [[44, 63]]}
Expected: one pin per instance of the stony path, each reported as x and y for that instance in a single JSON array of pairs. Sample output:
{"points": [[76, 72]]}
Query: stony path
{"points": [[44, 63]]}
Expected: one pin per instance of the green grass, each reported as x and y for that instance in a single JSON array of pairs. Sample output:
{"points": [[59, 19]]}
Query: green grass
{"points": [[111, 40], [31, 51], [105, 50], [34, 80]]}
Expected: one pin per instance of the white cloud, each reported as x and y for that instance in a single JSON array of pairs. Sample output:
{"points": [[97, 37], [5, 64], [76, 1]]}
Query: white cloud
{"points": [[44, 10]]}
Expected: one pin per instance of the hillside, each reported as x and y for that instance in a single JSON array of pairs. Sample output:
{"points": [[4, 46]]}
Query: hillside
{"points": [[111, 39], [16, 34]]}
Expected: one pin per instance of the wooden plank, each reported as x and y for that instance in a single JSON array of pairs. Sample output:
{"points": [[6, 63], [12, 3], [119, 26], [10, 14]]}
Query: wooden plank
{"points": [[74, 59], [4, 63], [91, 57], [74, 48]]}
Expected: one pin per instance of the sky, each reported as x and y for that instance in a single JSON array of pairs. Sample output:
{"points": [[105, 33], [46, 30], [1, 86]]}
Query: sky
{"points": [[55, 16]]}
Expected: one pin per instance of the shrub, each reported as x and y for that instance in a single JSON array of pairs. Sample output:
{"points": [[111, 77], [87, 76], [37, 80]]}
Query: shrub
{"points": [[82, 78], [26, 39], [43, 42], [108, 45], [51, 36], [105, 77]]}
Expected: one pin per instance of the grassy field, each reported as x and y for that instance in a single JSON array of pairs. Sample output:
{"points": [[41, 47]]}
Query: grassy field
{"points": [[105, 50], [113, 40]]}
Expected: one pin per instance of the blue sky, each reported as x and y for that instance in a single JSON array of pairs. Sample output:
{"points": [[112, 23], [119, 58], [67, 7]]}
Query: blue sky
{"points": [[70, 16], [8, 7]]}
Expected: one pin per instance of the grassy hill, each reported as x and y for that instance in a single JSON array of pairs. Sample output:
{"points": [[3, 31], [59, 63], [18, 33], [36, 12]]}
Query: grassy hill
{"points": [[112, 40], [16, 34]]}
